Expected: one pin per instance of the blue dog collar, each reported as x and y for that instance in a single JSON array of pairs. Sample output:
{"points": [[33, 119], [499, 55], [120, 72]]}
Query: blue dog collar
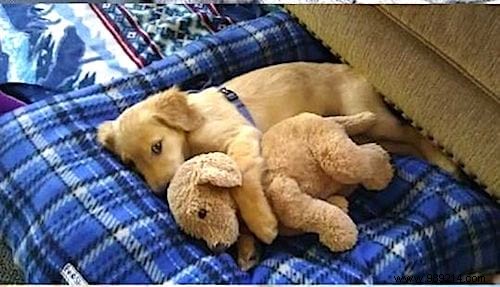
{"points": [[235, 100]]}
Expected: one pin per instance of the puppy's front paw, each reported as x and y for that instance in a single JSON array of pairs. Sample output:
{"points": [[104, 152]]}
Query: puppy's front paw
{"points": [[254, 207], [259, 218], [264, 226], [248, 253], [257, 213]]}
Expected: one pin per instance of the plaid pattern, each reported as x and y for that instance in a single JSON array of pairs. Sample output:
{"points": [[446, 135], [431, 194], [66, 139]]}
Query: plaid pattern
{"points": [[423, 223], [65, 200]]}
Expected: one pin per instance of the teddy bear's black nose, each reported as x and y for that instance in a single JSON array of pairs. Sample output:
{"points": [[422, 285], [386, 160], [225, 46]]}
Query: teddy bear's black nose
{"points": [[219, 248]]}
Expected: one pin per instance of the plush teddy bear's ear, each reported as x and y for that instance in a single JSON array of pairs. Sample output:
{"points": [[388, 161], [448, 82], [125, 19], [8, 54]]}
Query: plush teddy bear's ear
{"points": [[220, 170], [106, 135]]}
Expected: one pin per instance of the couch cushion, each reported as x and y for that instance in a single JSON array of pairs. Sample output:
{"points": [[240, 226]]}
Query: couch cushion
{"points": [[443, 89], [467, 38]]}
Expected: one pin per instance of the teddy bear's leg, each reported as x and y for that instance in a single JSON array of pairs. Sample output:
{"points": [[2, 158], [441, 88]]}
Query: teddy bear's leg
{"points": [[339, 201], [381, 169], [299, 210], [250, 198], [355, 124], [362, 97], [345, 161], [247, 249]]}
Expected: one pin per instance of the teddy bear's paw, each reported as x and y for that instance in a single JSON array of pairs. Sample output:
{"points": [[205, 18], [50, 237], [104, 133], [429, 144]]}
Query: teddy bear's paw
{"points": [[380, 168], [339, 201], [340, 239]]}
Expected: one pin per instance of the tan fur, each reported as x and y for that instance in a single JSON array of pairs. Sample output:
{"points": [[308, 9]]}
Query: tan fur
{"points": [[190, 193], [311, 161], [205, 182], [247, 254], [207, 122]]}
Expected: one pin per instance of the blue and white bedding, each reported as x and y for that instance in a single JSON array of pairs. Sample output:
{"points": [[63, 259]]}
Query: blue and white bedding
{"points": [[64, 199]]}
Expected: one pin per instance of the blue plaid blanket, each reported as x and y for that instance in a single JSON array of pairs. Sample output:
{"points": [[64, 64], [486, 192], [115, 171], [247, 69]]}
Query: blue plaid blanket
{"points": [[63, 199]]}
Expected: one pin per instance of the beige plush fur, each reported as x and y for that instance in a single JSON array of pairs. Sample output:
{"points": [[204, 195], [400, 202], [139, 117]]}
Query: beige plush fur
{"points": [[200, 200], [156, 135], [310, 161]]}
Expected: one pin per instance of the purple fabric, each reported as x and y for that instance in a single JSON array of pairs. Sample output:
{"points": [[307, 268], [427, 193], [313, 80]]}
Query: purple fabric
{"points": [[8, 103]]}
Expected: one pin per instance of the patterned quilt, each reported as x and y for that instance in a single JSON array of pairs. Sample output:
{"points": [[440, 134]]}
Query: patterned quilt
{"points": [[58, 48], [64, 200]]}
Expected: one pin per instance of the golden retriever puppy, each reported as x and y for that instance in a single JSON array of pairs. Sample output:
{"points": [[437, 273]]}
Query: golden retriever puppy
{"points": [[156, 135]]}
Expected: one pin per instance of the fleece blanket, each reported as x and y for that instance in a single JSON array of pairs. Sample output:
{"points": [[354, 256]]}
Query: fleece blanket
{"points": [[67, 204]]}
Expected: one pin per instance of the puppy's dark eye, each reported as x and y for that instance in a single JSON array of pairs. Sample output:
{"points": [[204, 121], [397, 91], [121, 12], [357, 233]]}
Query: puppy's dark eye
{"points": [[156, 147], [202, 213]]}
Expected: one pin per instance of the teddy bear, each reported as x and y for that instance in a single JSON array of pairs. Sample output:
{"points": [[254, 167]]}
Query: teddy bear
{"points": [[311, 161]]}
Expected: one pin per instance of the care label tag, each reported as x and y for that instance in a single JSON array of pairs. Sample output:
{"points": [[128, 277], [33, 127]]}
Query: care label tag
{"points": [[72, 276]]}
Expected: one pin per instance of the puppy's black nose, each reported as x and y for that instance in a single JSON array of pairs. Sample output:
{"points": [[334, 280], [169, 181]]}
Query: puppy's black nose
{"points": [[219, 248], [161, 191]]}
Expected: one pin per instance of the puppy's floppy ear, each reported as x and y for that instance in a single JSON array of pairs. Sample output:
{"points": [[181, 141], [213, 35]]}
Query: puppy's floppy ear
{"points": [[106, 135], [172, 109], [220, 170]]}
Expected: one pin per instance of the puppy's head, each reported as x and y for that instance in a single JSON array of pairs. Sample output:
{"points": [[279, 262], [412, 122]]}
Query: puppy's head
{"points": [[150, 136]]}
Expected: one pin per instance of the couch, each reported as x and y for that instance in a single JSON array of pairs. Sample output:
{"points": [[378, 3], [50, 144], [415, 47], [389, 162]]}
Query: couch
{"points": [[438, 64]]}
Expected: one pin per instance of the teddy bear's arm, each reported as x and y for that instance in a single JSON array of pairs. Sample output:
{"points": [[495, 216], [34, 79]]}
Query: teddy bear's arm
{"points": [[299, 210], [250, 198], [340, 157]]}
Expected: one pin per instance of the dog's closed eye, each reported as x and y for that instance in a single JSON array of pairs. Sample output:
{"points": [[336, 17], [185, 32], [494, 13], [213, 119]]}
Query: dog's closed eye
{"points": [[156, 148]]}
